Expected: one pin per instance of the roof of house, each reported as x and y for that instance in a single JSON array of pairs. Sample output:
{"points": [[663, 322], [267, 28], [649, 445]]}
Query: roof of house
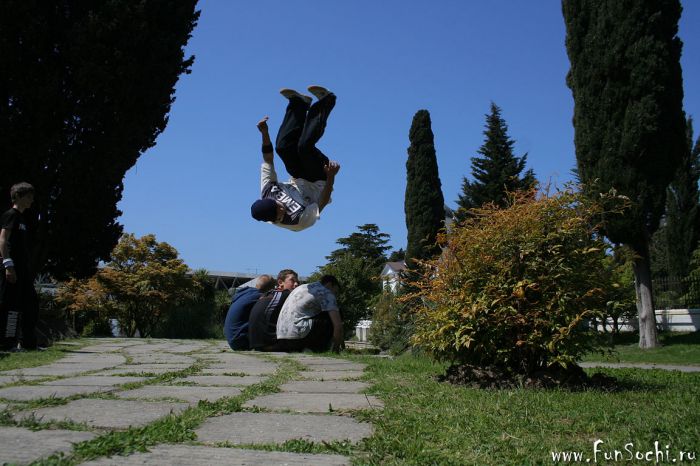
{"points": [[397, 266]]}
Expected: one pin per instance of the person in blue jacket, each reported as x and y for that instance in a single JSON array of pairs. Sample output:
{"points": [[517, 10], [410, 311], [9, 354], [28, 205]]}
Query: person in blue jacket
{"points": [[236, 324]]}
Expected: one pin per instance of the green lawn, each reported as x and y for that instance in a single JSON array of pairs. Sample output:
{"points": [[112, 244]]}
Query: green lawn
{"points": [[9, 361], [678, 348], [428, 422]]}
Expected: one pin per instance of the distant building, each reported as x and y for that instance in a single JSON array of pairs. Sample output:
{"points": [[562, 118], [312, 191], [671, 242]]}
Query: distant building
{"points": [[391, 275]]}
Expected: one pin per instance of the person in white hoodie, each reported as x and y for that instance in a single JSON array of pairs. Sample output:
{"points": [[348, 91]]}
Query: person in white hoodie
{"points": [[297, 204]]}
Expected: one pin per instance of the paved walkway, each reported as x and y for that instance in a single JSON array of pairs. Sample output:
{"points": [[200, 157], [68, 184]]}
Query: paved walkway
{"points": [[114, 384]]}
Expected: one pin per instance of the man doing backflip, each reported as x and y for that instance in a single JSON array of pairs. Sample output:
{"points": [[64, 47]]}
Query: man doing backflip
{"points": [[297, 204]]}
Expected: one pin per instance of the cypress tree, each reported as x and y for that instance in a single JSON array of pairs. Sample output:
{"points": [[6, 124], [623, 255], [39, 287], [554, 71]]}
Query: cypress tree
{"points": [[682, 211], [627, 85], [497, 171], [86, 87], [424, 204]]}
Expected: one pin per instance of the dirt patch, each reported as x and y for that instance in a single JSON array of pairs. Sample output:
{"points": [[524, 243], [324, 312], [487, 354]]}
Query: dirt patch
{"points": [[573, 378]]}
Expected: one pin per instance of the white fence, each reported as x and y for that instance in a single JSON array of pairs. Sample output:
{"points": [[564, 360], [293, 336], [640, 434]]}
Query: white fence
{"points": [[673, 320]]}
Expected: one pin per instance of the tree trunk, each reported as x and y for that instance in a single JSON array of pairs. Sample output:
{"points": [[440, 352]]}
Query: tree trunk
{"points": [[645, 300]]}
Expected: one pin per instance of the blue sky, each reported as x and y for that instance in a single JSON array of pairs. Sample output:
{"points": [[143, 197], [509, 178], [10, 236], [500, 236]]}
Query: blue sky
{"points": [[384, 61]]}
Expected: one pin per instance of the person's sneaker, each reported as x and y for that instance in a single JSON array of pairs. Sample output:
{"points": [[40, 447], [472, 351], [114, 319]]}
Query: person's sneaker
{"points": [[289, 93], [319, 91]]}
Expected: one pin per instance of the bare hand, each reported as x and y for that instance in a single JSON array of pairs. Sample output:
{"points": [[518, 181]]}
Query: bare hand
{"points": [[331, 169], [262, 125], [10, 275]]}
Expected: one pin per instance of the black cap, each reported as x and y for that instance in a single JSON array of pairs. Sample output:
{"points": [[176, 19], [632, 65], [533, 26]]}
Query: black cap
{"points": [[264, 210]]}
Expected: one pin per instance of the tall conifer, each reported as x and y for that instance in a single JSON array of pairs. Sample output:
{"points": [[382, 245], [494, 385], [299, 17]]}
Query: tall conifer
{"points": [[628, 115], [682, 210], [424, 204], [86, 87], [497, 171]]}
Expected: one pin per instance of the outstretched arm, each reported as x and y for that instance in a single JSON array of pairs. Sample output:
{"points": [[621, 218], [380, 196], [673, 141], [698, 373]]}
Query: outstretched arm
{"points": [[337, 321], [267, 149], [331, 170]]}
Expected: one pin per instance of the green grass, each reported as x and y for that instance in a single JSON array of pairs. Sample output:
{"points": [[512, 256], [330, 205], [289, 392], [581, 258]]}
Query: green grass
{"points": [[9, 361], [677, 348], [428, 422]]}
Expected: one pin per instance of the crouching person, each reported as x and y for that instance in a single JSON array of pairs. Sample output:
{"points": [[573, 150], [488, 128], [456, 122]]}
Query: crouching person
{"points": [[310, 318], [236, 323], [262, 328]]}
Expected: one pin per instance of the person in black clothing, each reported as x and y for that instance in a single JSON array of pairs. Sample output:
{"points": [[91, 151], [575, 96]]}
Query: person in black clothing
{"points": [[297, 204], [17, 293]]}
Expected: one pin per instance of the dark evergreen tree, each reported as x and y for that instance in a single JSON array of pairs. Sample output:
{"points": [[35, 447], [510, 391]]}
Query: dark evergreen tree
{"points": [[86, 88], [368, 243], [357, 266], [497, 171], [627, 85], [677, 237], [396, 256], [424, 203], [682, 229]]}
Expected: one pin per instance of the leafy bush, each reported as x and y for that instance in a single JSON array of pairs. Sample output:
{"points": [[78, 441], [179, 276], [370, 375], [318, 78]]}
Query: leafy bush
{"points": [[196, 316], [144, 281], [392, 324], [515, 287]]}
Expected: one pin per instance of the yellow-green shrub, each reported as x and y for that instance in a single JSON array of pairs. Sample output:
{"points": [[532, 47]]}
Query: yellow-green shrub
{"points": [[515, 287]]}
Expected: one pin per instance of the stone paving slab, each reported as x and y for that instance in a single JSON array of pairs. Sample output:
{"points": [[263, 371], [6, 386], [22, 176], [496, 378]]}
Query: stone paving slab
{"points": [[187, 348], [5, 379], [335, 367], [331, 375], [193, 455], [53, 370], [33, 392], [251, 428], [95, 381], [147, 368], [92, 358], [109, 414], [223, 380], [314, 402], [187, 393], [248, 370], [331, 386], [322, 361], [163, 358], [21, 446]]}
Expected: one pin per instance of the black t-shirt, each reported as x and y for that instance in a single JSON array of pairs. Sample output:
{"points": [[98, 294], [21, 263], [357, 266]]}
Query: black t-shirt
{"points": [[293, 205], [14, 221], [262, 329]]}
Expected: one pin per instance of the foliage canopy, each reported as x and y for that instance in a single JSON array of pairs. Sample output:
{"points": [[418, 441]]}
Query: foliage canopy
{"points": [[497, 172], [516, 286], [424, 204], [144, 280], [86, 88]]}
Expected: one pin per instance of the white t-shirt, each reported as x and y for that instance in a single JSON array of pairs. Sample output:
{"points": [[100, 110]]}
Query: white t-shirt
{"points": [[300, 198], [303, 304]]}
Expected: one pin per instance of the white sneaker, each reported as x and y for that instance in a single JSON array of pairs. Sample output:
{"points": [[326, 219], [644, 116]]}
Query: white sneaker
{"points": [[319, 91], [289, 93]]}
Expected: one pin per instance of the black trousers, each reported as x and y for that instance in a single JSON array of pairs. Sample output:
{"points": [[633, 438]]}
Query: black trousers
{"points": [[301, 129], [20, 297], [319, 338]]}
